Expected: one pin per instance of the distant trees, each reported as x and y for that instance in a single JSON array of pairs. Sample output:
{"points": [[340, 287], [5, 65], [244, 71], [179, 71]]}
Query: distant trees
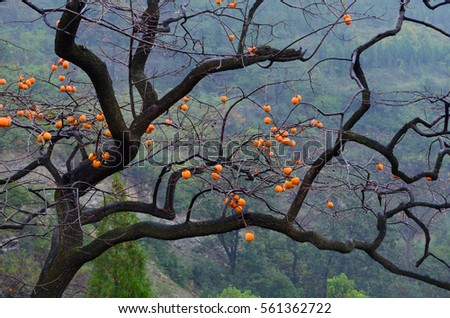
{"points": [[121, 271], [342, 287], [233, 292], [186, 119]]}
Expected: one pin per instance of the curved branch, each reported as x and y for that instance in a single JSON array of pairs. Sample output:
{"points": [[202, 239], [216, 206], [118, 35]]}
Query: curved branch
{"points": [[396, 270], [429, 6], [210, 227], [389, 155], [205, 68], [94, 67], [95, 215], [22, 172], [235, 222], [429, 25], [150, 19], [246, 25]]}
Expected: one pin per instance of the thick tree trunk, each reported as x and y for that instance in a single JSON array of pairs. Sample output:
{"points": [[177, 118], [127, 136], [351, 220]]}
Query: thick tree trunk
{"points": [[63, 260], [55, 278]]}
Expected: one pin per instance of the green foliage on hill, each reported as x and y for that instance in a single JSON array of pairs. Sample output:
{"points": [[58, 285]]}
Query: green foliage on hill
{"points": [[120, 271], [270, 266], [342, 287]]}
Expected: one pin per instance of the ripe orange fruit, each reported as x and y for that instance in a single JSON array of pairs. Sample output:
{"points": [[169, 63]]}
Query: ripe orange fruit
{"points": [[62, 89], [5, 121], [267, 108], [347, 19], [313, 122], [108, 133], [287, 141], [249, 236], [59, 124], [231, 37], [92, 156], [279, 138], [61, 78], [149, 143], [223, 99], [330, 204], [241, 202], [288, 185], [106, 155], [218, 2], [150, 129], [60, 61], [380, 166], [273, 129], [100, 117], [70, 119], [32, 80], [186, 99], [251, 50], [256, 143], [2, 81], [293, 130], [87, 125], [233, 4], [168, 122], [267, 120], [279, 189], [269, 143], [39, 138], [82, 118], [215, 176], [319, 125], [238, 209], [287, 170], [218, 168], [271, 154], [65, 65], [20, 113], [184, 107], [186, 174], [25, 86], [236, 197], [69, 89], [54, 67], [429, 178], [96, 163], [47, 136], [295, 181]]}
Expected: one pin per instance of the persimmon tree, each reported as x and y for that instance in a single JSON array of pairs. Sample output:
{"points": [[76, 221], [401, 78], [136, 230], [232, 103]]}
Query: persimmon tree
{"points": [[82, 130]]}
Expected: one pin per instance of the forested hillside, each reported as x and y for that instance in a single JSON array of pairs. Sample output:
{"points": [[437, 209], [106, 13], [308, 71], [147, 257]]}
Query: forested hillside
{"points": [[408, 75]]}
